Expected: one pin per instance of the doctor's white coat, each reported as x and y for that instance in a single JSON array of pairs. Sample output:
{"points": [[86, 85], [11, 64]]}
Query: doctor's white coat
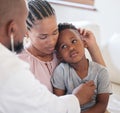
{"points": [[20, 92]]}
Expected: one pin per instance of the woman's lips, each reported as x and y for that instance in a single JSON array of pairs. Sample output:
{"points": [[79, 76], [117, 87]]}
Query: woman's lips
{"points": [[51, 49]]}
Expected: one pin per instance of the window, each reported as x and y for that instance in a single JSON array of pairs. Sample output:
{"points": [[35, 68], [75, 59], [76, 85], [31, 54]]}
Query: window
{"points": [[86, 4]]}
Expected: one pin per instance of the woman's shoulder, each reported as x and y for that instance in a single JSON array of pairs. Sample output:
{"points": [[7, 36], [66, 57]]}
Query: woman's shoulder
{"points": [[23, 54], [26, 56]]}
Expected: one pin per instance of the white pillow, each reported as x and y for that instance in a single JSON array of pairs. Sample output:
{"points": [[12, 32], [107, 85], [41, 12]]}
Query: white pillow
{"points": [[114, 50], [111, 53]]}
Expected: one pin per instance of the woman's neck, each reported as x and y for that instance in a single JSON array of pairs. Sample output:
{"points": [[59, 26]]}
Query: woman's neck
{"points": [[40, 55]]}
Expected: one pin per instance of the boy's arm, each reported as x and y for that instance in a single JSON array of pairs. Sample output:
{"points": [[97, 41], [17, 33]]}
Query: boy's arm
{"points": [[92, 46], [101, 104], [58, 92]]}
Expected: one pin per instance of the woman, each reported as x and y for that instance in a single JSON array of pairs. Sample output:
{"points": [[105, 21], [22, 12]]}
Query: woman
{"points": [[43, 34]]}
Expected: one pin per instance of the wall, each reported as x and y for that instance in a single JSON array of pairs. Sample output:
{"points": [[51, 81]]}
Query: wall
{"points": [[107, 16]]}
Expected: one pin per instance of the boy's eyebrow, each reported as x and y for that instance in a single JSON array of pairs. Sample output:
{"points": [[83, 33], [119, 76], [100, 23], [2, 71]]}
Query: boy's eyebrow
{"points": [[60, 43]]}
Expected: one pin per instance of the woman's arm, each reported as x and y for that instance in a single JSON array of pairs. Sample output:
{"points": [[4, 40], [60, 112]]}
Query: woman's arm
{"points": [[92, 46]]}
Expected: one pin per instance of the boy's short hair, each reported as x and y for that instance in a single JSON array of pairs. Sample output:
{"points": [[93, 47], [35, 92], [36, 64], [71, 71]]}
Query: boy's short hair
{"points": [[63, 26]]}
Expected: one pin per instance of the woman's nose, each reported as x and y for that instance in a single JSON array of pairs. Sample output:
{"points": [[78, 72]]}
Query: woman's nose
{"points": [[52, 40]]}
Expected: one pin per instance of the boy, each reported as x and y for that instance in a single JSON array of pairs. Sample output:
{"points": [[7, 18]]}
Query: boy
{"points": [[76, 69]]}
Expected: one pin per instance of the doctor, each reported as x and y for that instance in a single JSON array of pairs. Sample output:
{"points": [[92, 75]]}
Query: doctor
{"points": [[20, 92]]}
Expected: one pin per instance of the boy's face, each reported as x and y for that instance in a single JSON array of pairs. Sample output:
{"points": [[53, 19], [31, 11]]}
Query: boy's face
{"points": [[70, 46]]}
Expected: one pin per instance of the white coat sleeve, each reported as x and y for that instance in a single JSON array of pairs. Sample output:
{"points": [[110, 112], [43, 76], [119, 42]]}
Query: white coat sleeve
{"points": [[20, 92]]}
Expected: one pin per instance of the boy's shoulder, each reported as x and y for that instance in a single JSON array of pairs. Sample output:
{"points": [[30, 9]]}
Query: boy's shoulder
{"points": [[97, 67]]}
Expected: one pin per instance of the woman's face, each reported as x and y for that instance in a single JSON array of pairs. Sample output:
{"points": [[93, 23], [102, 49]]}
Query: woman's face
{"points": [[44, 35]]}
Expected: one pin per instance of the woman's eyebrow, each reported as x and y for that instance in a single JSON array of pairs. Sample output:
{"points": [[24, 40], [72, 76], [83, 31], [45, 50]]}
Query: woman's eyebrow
{"points": [[55, 30], [48, 34]]}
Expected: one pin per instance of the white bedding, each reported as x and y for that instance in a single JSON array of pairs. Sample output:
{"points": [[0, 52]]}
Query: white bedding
{"points": [[114, 104]]}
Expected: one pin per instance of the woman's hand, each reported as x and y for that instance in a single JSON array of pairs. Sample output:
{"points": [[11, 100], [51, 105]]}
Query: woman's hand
{"points": [[92, 46]]}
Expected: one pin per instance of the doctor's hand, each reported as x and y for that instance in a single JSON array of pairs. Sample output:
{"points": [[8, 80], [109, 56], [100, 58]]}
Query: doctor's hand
{"points": [[84, 92]]}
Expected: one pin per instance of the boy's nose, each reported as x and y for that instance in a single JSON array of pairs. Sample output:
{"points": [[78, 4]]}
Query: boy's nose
{"points": [[71, 47]]}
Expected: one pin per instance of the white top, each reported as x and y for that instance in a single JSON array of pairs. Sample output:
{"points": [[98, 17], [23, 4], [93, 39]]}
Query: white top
{"points": [[20, 92]]}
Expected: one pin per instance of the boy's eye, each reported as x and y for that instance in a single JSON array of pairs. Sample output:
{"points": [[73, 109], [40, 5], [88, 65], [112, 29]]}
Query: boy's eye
{"points": [[63, 46], [74, 41]]}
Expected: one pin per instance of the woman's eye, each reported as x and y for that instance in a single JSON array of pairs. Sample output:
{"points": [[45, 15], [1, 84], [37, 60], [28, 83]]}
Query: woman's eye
{"points": [[42, 36], [55, 32]]}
